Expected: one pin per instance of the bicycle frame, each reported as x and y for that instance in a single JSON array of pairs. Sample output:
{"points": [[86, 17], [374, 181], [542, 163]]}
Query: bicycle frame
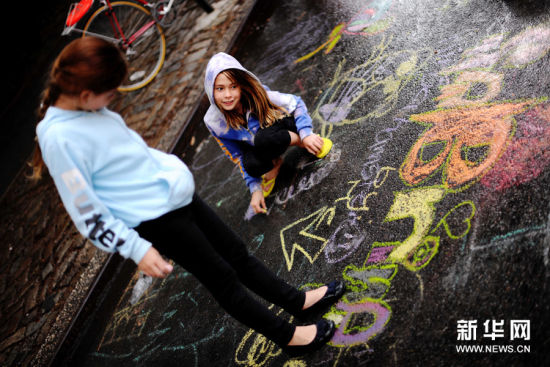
{"points": [[114, 22]]}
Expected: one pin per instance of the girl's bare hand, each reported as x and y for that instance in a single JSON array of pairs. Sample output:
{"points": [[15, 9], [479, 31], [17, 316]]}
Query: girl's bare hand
{"points": [[154, 265], [258, 202], [313, 143]]}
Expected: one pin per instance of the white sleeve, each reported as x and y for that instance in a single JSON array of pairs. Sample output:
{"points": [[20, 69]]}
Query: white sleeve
{"points": [[91, 217]]}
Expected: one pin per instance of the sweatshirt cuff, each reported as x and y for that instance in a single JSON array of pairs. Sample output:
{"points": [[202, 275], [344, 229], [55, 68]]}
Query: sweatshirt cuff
{"points": [[305, 132], [140, 250], [255, 186]]}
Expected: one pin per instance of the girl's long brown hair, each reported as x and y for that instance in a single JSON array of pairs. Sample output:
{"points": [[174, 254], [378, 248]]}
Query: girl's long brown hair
{"points": [[254, 99], [87, 63]]}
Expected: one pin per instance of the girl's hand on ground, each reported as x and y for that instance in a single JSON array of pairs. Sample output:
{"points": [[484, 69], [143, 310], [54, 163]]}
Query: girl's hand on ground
{"points": [[313, 143], [154, 265], [258, 202]]}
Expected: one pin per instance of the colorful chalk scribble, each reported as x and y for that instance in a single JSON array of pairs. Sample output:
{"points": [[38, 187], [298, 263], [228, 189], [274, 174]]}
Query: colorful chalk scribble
{"points": [[372, 19]]}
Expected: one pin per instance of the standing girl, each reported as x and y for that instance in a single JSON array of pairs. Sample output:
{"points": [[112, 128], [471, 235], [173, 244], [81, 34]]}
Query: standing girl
{"points": [[254, 126], [129, 198]]}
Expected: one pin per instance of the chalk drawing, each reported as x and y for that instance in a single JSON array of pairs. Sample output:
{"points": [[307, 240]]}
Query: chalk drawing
{"points": [[528, 155], [527, 47], [368, 281], [459, 275], [255, 350], [283, 51], [462, 141], [310, 249], [370, 20], [469, 141], [209, 160], [383, 76], [310, 179], [419, 205], [344, 241], [351, 332], [452, 214], [362, 313], [458, 93], [295, 363]]}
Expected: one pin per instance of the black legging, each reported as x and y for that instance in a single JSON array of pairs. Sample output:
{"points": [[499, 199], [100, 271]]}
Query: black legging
{"points": [[269, 143], [198, 240]]}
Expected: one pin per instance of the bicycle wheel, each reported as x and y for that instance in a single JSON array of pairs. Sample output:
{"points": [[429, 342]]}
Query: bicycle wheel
{"points": [[141, 39]]}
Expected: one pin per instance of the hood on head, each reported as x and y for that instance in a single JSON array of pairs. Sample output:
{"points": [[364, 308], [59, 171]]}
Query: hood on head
{"points": [[218, 63]]}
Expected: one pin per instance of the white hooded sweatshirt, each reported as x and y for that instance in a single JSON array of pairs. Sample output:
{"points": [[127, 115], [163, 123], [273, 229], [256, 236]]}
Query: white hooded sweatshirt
{"points": [[229, 139]]}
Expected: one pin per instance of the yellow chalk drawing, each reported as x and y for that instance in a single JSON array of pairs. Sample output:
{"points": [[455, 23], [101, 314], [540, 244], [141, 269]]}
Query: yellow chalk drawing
{"points": [[323, 215], [372, 281], [460, 131], [370, 20], [468, 221], [295, 363], [255, 350], [379, 180], [423, 253], [348, 198], [260, 352], [419, 205], [332, 40], [383, 75]]}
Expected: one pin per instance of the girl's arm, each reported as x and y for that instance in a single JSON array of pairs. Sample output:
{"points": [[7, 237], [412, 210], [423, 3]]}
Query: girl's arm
{"points": [[91, 217], [302, 118], [297, 107]]}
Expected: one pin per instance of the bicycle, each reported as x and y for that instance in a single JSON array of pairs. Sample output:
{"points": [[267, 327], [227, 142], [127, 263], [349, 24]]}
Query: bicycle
{"points": [[136, 30]]}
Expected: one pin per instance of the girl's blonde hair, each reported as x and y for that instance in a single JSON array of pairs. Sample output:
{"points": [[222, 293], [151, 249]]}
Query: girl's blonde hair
{"points": [[254, 99], [87, 63]]}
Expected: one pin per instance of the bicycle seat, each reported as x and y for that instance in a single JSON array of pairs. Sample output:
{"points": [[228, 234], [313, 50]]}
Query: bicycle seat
{"points": [[78, 11]]}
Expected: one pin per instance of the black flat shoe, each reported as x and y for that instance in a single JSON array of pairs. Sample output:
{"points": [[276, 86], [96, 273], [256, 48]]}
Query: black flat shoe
{"points": [[325, 331], [336, 289]]}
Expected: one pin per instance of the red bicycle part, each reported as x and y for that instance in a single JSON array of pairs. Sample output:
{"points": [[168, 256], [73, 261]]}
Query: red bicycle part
{"points": [[78, 12]]}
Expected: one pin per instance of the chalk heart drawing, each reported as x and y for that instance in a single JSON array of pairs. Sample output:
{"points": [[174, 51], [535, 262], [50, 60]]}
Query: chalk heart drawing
{"points": [[467, 142]]}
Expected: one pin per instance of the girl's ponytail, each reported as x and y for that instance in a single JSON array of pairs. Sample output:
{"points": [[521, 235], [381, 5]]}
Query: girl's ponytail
{"points": [[49, 97], [87, 63]]}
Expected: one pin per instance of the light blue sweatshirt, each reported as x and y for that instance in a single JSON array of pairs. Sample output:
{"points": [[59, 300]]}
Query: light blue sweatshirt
{"points": [[109, 179], [230, 139]]}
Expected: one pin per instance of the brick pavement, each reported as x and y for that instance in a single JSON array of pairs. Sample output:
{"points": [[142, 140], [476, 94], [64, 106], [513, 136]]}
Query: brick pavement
{"points": [[46, 268]]}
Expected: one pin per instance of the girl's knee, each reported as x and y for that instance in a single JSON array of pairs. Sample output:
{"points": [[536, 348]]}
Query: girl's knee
{"points": [[263, 139], [272, 143]]}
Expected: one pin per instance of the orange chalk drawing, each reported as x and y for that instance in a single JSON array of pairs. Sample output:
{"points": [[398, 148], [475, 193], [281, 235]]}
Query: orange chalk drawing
{"points": [[459, 133]]}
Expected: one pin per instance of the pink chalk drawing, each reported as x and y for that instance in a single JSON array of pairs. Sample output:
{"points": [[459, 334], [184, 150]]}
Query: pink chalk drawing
{"points": [[347, 334], [527, 155], [379, 254]]}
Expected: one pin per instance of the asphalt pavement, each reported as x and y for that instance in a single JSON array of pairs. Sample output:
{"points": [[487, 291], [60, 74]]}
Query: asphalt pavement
{"points": [[433, 205]]}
